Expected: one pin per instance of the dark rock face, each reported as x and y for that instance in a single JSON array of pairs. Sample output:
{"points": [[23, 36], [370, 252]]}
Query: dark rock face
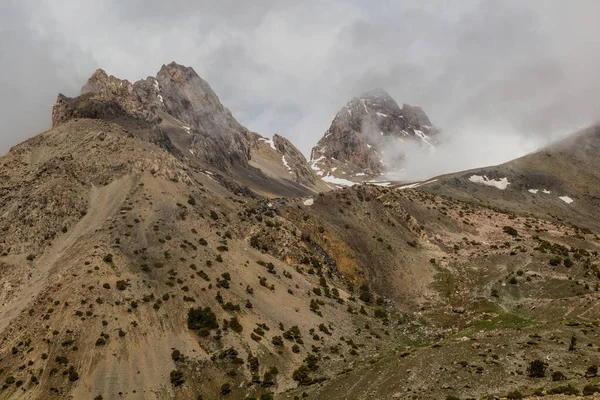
{"points": [[216, 135], [355, 145]]}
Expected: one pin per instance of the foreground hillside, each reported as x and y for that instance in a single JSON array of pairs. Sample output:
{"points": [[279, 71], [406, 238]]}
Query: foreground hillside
{"points": [[133, 268]]}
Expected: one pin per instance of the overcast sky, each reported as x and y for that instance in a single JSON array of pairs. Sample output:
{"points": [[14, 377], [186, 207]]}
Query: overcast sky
{"points": [[500, 78]]}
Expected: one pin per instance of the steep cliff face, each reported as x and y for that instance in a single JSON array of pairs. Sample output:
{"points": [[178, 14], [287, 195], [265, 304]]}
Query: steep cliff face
{"points": [[369, 137], [178, 110]]}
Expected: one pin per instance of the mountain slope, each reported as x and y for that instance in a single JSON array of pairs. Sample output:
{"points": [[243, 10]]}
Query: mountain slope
{"points": [[561, 180], [370, 136], [115, 241]]}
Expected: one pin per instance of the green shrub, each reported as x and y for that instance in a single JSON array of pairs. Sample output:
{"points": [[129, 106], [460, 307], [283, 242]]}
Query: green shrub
{"points": [[573, 343], [177, 378], [568, 262], [568, 390], [61, 360], [176, 355], [235, 325], [554, 261], [558, 376], [537, 369], [302, 376], [514, 395], [380, 312], [269, 377], [202, 320], [73, 375], [590, 389], [509, 230], [122, 285], [225, 389], [277, 341]]}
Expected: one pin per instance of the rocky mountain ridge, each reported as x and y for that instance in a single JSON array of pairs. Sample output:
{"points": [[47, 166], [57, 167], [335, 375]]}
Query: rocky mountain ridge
{"points": [[179, 110]]}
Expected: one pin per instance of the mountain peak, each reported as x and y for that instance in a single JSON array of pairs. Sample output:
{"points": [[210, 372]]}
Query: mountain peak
{"points": [[178, 109], [356, 147], [376, 93]]}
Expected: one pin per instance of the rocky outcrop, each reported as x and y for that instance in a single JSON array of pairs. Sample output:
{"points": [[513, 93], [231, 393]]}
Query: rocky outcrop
{"points": [[366, 138]]}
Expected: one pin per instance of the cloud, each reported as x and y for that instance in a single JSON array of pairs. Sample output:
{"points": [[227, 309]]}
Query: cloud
{"points": [[33, 69], [519, 73]]}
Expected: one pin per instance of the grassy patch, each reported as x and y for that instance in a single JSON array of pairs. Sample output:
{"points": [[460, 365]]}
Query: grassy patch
{"points": [[504, 320]]}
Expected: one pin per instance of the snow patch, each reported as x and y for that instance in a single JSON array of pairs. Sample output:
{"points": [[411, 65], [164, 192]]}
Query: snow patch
{"points": [[309, 202], [384, 184], [501, 184], [411, 186], [337, 181], [382, 114], [160, 98], [284, 161], [360, 174], [566, 199], [424, 137], [192, 151], [364, 105], [187, 128], [156, 85], [534, 191], [269, 141], [546, 191], [313, 163]]}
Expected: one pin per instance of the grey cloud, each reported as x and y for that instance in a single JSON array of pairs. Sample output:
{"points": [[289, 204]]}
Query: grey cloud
{"points": [[485, 71]]}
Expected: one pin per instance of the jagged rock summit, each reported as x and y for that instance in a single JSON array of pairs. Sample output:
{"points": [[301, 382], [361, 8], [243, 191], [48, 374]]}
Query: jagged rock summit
{"points": [[180, 111], [370, 136]]}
